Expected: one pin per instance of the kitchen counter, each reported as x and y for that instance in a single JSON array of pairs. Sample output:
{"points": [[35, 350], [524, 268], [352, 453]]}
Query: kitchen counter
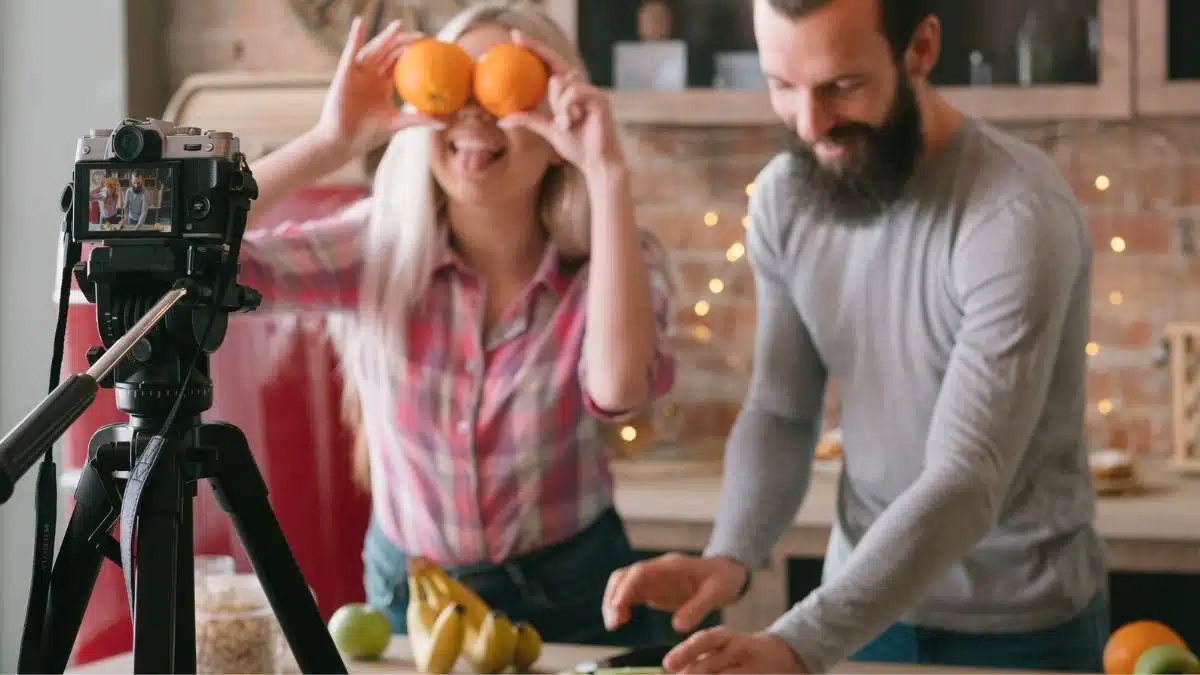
{"points": [[1155, 529], [1166, 509], [556, 658]]}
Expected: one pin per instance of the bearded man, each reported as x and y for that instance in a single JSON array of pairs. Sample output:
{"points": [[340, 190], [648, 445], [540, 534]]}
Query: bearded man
{"points": [[939, 269]]}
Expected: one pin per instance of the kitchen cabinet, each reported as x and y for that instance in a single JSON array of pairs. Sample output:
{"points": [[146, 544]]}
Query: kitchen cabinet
{"points": [[1005, 61], [1167, 78]]}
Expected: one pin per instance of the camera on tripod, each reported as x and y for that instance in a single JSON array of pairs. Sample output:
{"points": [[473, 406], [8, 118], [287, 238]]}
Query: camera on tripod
{"points": [[170, 204], [168, 207]]}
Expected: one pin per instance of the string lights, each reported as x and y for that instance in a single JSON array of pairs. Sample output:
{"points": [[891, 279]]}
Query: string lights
{"points": [[1117, 243], [702, 333]]}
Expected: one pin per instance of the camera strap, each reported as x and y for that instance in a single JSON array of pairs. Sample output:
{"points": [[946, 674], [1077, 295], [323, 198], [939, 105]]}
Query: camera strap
{"points": [[46, 489]]}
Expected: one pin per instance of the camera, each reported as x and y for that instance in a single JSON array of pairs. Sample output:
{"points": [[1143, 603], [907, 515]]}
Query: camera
{"points": [[152, 179], [169, 204]]}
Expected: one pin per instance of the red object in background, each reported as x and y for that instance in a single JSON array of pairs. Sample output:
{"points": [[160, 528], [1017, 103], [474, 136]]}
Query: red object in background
{"points": [[276, 377]]}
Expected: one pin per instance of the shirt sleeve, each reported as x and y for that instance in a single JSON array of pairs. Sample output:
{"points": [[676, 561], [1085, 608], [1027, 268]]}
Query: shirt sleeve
{"points": [[769, 453], [1016, 276], [313, 264], [662, 369]]}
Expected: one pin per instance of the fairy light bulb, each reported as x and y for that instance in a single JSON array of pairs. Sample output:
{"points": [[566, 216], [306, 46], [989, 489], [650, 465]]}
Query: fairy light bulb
{"points": [[701, 308], [703, 334], [1092, 349], [735, 252], [1102, 183], [1104, 407], [628, 434], [716, 285], [1116, 298], [749, 189], [1117, 244], [711, 218]]}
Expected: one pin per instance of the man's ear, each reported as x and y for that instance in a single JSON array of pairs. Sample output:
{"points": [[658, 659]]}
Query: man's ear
{"points": [[924, 49]]}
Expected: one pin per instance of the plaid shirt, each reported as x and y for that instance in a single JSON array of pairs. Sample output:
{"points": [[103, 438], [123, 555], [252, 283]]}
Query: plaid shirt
{"points": [[488, 447]]}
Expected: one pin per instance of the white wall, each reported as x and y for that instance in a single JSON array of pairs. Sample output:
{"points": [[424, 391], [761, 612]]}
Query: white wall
{"points": [[62, 72]]}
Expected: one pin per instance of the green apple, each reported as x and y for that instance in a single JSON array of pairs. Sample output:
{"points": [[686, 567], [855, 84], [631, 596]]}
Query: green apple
{"points": [[1169, 658], [360, 631]]}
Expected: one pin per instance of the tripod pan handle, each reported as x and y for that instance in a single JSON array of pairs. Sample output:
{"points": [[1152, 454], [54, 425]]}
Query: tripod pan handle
{"points": [[34, 435]]}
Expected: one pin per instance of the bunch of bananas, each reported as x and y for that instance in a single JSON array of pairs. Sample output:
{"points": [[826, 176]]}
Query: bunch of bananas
{"points": [[447, 620]]}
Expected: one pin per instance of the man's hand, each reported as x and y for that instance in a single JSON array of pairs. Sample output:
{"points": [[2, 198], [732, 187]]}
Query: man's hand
{"points": [[690, 587], [720, 650]]}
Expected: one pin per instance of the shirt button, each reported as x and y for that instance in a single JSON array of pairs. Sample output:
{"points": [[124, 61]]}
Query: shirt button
{"points": [[464, 427]]}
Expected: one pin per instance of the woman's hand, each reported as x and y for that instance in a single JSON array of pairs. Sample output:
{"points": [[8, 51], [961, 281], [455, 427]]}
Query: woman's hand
{"points": [[360, 113], [579, 125]]}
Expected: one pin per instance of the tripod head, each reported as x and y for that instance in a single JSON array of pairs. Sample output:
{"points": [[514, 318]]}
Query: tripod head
{"points": [[124, 279]]}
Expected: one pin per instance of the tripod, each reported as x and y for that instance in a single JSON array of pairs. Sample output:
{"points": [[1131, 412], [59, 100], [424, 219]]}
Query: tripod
{"points": [[163, 606], [145, 471]]}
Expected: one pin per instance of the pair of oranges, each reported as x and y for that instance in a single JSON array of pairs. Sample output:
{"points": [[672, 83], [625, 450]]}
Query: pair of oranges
{"points": [[438, 77]]}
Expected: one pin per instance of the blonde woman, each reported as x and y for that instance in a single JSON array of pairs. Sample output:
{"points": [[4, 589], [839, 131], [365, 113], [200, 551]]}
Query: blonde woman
{"points": [[497, 303]]}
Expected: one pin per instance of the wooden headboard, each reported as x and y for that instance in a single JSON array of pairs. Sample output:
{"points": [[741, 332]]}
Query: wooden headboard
{"points": [[265, 110]]}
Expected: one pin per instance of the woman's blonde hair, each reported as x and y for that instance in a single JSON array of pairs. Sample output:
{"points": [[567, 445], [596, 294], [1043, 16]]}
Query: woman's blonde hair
{"points": [[408, 214]]}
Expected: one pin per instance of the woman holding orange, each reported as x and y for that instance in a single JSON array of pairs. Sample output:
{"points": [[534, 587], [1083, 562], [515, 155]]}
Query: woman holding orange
{"points": [[497, 302]]}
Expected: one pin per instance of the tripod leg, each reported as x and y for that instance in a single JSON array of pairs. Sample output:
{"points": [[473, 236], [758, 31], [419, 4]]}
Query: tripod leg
{"points": [[185, 602], [156, 591], [78, 562], [242, 492]]}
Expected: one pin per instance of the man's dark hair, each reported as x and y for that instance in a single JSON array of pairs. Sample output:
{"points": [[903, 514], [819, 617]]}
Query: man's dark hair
{"points": [[900, 18]]}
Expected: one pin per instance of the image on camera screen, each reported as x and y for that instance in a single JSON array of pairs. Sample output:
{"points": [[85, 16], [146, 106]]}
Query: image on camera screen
{"points": [[129, 199]]}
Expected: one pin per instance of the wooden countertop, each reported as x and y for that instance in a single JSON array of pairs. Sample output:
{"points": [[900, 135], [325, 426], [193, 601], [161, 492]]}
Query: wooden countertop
{"points": [[1167, 509], [556, 658]]}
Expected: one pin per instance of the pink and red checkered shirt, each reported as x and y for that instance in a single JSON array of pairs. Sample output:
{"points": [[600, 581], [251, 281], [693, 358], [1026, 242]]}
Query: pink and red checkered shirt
{"points": [[488, 447]]}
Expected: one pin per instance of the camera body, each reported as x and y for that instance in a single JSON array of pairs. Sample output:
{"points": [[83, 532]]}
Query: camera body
{"points": [[152, 179]]}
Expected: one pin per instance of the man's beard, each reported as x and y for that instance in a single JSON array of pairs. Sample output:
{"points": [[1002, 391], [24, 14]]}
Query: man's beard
{"points": [[878, 161]]}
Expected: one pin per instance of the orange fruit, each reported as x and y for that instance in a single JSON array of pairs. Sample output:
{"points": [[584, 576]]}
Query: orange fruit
{"points": [[509, 78], [434, 76], [1127, 644]]}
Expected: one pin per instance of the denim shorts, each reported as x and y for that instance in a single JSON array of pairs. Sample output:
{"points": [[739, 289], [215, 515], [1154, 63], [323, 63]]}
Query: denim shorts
{"points": [[558, 589]]}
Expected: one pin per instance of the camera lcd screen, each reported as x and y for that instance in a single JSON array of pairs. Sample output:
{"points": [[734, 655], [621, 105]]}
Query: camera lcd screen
{"points": [[124, 200]]}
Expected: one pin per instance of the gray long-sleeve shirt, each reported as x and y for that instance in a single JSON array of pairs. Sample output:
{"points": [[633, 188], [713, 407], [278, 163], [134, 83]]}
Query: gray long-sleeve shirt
{"points": [[955, 328]]}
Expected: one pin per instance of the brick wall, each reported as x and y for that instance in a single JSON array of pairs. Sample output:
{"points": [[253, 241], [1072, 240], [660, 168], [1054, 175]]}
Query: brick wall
{"points": [[1139, 180]]}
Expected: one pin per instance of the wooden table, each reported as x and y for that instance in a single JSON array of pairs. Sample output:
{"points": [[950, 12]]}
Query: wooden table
{"points": [[556, 658], [1155, 530]]}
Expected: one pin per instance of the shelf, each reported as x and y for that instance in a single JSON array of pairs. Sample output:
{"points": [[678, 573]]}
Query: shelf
{"points": [[693, 107], [710, 107]]}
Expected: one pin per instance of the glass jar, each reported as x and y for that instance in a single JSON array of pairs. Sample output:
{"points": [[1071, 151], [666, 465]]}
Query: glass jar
{"points": [[213, 565], [235, 627]]}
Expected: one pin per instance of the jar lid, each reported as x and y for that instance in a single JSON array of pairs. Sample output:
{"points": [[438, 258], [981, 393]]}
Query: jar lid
{"points": [[233, 594]]}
